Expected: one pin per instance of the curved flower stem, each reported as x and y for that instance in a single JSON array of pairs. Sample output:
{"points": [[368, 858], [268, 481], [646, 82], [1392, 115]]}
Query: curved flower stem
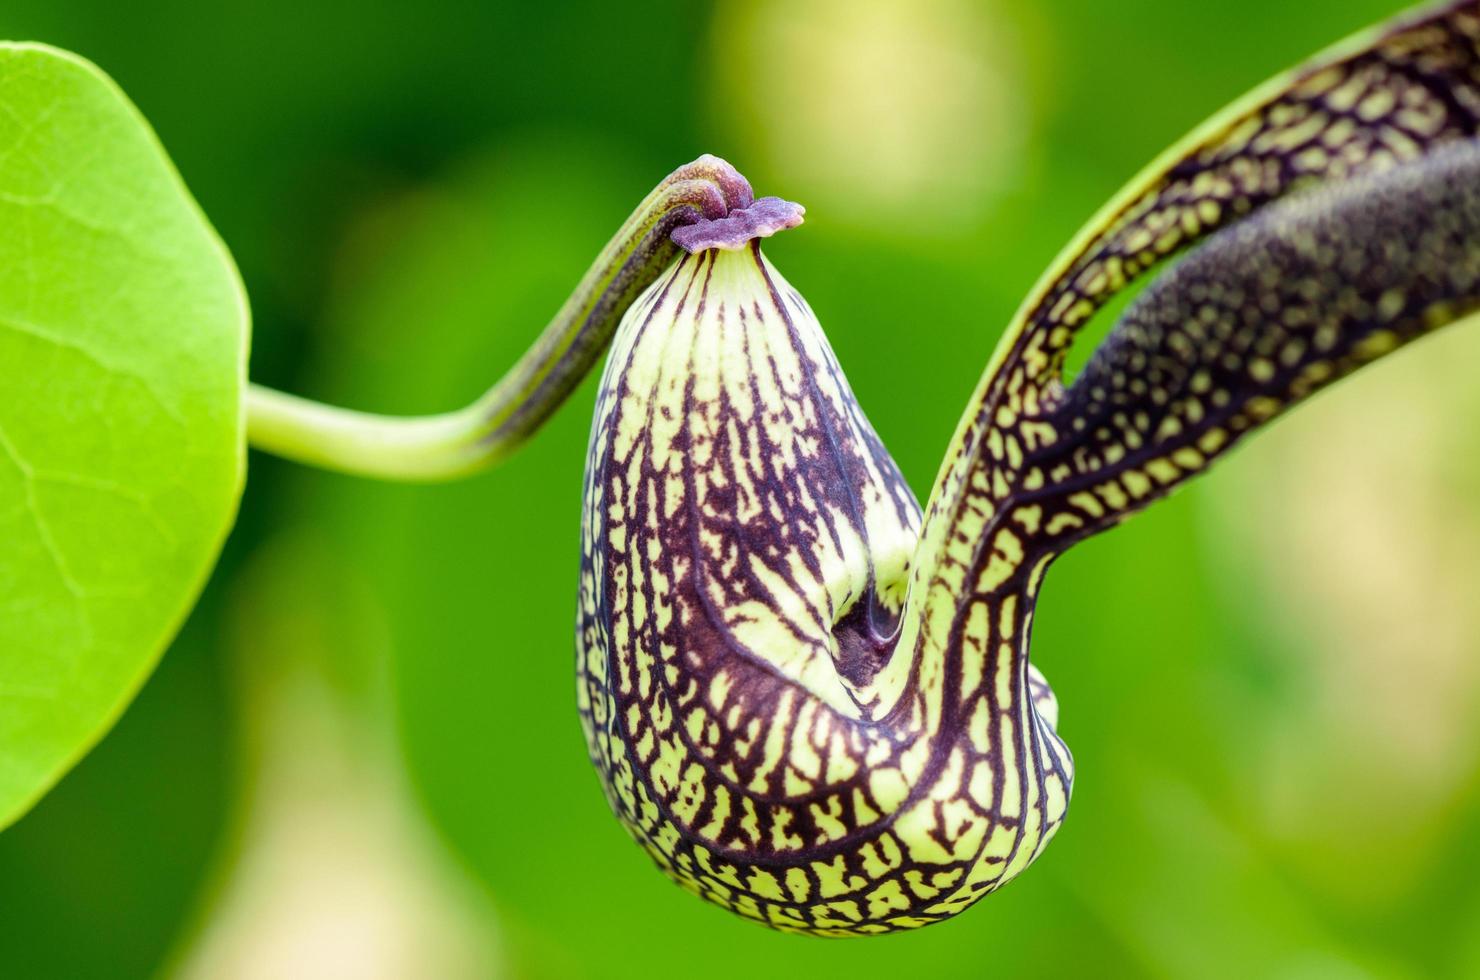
{"points": [[1241, 160], [439, 447]]}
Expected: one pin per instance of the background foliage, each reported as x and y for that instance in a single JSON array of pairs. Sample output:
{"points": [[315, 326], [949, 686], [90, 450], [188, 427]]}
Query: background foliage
{"points": [[362, 757]]}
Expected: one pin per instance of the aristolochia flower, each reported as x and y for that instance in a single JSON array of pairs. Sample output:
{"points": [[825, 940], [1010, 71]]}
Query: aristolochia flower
{"points": [[747, 546], [809, 699], [815, 708]]}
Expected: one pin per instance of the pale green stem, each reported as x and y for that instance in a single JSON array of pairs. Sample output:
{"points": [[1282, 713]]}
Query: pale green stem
{"points": [[429, 447], [439, 447]]}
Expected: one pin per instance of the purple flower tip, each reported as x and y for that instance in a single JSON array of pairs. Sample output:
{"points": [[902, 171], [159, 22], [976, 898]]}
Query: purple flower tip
{"points": [[761, 219]]}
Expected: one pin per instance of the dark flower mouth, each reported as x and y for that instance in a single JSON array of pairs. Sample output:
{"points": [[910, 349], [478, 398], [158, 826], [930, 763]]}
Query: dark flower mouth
{"points": [[759, 219]]}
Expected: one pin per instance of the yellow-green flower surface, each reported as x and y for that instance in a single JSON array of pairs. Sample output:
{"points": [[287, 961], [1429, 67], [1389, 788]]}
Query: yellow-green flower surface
{"points": [[813, 705]]}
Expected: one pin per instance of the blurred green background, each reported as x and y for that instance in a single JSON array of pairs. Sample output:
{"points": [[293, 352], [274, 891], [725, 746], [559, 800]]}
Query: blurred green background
{"points": [[362, 758]]}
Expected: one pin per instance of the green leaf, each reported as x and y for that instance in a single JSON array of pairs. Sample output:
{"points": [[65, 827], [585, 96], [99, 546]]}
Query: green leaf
{"points": [[123, 330]]}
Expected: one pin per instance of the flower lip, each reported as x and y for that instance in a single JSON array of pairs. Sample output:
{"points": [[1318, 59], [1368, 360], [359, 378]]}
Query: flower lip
{"points": [[759, 219]]}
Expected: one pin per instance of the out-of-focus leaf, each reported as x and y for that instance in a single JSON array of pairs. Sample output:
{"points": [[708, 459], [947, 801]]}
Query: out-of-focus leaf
{"points": [[122, 340], [332, 863]]}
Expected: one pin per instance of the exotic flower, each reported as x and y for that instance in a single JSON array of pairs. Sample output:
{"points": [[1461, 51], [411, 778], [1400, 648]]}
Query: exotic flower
{"points": [[746, 566], [810, 700], [791, 726]]}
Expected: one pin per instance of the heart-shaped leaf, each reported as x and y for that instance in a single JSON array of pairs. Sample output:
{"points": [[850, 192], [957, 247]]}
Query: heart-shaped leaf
{"points": [[123, 331]]}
